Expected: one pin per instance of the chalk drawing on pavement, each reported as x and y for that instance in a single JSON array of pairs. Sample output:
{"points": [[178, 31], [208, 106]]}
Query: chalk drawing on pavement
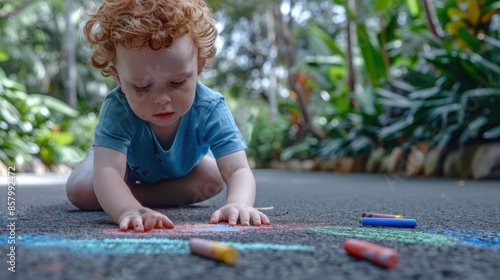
{"points": [[400, 235], [445, 237], [205, 229], [476, 238], [145, 246], [165, 241]]}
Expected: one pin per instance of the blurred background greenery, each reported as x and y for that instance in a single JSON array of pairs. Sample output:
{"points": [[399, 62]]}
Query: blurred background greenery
{"points": [[324, 84]]}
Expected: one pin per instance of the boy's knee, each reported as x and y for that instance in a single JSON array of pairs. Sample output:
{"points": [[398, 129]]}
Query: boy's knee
{"points": [[80, 192], [208, 186]]}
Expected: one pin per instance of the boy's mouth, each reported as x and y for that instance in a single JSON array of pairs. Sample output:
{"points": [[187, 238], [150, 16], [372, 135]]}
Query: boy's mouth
{"points": [[164, 115]]}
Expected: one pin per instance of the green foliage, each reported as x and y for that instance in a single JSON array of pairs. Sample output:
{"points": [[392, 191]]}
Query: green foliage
{"points": [[34, 126], [446, 96], [267, 138], [451, 103], [33, 42], [411, 86]]}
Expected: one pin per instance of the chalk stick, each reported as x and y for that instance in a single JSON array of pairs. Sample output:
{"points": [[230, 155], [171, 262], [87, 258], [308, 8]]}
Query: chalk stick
{"points": [[378, 215], [379, 255], [389, 222], [214, 250]]}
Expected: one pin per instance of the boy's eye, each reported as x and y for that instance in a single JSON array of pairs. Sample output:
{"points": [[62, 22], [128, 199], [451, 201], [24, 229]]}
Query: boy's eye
{"points": [[177, 83], [142, 89]]}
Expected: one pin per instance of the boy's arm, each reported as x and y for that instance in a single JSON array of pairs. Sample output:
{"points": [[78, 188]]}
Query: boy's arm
{"points": [[115, 196], [241, 190]]}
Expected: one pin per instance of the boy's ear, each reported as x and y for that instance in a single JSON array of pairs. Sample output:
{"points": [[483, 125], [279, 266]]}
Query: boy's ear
{"points": [[115, 74], [201, 65]]}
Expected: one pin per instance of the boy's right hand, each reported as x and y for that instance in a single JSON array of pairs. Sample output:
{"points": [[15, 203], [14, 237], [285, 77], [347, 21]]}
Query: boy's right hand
{"points": [[143, 219]]}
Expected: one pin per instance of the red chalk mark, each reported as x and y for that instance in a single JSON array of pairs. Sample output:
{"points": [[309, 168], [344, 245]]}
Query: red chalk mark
{"points": [[205, 229], [50, 267]]}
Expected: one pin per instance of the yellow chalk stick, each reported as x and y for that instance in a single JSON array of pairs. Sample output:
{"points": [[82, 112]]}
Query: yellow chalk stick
{"points": [[214, 250]]}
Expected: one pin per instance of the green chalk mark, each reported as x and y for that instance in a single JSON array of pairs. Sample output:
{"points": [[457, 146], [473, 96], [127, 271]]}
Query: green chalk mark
{"points": [[400, 235]]}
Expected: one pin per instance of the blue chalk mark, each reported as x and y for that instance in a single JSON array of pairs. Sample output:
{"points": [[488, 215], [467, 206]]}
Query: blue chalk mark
{"points": [[476, 238], [219, 228], [265, 246], [22, 238], [150, 246], [145, 246]]}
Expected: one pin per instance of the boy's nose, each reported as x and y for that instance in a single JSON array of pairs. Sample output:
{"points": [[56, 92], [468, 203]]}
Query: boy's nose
{"points": [[162, 99]]}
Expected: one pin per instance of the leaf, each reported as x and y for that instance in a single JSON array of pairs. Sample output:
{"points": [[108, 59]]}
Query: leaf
{"points": [[360, 143], [478, 59], [472, 129], [395, 128], [381, 6], [456, 14], [474, 12], [289, 152], [492, 133], [366, 100], [494, 5], [8, 112], [4, 56], [320, 78], [471, 40], [443, 111], [63, 138], [331, 147], [471, 69], [393, 99], [374, 63], [57, 139], [478, 93], [53, 104], [328, 41], [413, 6], [424, 93]]}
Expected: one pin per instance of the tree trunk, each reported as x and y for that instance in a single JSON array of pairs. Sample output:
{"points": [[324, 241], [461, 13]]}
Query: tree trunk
{"points": [[291, 59], [273, 52], [431, 18], [70, 50], [351, 80]]}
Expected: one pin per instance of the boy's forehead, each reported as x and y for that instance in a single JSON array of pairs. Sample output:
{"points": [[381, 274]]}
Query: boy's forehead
{"points": [[180, 57], [183, 44]]}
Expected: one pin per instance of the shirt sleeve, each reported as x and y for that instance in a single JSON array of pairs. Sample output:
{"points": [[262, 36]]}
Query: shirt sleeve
{"points": [[221, 131], [115, 128]]}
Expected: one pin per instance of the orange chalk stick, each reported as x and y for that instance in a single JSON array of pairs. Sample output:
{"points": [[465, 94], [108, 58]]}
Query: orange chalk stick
{"points": [[379, 255], [213, 250], [378, 215]]}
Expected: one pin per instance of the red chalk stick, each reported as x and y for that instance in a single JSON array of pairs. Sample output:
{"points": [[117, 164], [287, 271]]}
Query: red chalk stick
{"points": [[379, 255]]}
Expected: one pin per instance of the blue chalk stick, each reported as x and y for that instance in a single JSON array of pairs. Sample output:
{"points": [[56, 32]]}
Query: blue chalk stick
{"points": [[389, 222]]}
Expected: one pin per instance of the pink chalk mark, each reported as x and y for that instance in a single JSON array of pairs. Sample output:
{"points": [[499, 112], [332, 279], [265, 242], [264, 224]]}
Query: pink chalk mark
{"points": [[204, 229]]}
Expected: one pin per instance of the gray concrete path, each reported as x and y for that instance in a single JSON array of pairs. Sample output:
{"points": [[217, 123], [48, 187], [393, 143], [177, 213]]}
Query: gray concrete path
{"points": [[312, 213]]}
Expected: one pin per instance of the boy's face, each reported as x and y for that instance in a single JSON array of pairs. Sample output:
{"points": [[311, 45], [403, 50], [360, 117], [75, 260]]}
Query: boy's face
{"points": [[159, 85]]}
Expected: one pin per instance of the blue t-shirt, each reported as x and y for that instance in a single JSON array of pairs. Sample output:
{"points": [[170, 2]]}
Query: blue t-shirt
{"points": [[208, 125]]}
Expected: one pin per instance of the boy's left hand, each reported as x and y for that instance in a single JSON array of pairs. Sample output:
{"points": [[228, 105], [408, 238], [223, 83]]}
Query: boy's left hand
{"points": [[233, 212]]}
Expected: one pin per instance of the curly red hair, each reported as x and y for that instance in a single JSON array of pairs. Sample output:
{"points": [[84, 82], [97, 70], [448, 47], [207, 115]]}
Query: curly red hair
{"points": [[153, 23]]}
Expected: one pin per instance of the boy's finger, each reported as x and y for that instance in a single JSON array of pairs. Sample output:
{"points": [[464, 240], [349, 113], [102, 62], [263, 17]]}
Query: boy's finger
{"points": [[124, 223], [166, 222], [159, 223], [150, 222], [256, 219], [233, 217], [216, 217], [244, 218], [137, 223], [265, 220]]}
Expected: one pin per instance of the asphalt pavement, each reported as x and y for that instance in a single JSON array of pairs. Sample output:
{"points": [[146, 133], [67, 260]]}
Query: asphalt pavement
{"points": [[312, 213]]}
